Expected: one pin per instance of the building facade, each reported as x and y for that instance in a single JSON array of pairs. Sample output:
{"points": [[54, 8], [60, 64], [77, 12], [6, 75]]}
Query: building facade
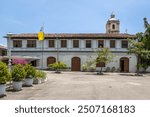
{"points": [[76, 49], [3, 51]]}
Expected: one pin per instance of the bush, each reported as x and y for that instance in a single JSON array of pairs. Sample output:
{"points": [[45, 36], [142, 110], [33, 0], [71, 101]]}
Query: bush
{"points": [[113, 69], [84, 67], [18, 73], [43, 75], [144, 66], [37, 74], [58, 66], [108, 69], [5, 75], [40, 74], [92, 68], [30, 71], [89, 65], [118, 70]]}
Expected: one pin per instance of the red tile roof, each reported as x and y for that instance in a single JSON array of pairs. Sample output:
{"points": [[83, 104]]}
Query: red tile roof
{"points": [[3, 47], [74, 35]]}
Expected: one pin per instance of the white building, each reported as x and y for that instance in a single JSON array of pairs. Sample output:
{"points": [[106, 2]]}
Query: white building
{"points": [[3, 50], [75, 49]]}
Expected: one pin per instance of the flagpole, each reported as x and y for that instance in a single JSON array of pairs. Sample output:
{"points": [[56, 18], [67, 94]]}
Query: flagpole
{"points": [[42, 53], [41, 38], [42, 47], [57, 50]]}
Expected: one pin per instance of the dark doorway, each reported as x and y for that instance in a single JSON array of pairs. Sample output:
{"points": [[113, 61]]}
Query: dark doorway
{"points": [[124, 64], [34, 63]]}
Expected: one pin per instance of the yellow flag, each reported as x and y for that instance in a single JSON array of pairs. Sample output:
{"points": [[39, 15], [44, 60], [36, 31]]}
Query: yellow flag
{"points": [[41, 36]]}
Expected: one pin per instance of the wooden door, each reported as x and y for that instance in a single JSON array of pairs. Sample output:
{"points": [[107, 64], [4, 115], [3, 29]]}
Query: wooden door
{"points": [[76, 64], [124, 64]]}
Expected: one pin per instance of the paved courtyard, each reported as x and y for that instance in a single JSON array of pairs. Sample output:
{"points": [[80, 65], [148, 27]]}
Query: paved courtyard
{"points": [[86, 86]]}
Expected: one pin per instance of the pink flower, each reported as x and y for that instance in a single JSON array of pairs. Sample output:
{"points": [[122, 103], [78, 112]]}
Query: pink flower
{"points": [[19, 61]]}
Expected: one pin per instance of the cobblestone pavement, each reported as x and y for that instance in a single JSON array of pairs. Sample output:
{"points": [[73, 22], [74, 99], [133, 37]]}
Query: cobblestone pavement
{"points": [[86, 86]]}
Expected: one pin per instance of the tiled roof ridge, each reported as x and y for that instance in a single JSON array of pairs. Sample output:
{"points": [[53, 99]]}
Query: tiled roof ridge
{"points": [[3, 47], [72, 34], [75, 33]]}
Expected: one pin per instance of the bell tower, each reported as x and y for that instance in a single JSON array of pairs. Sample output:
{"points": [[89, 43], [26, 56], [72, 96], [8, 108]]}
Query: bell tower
{"points": [[113, 25]]}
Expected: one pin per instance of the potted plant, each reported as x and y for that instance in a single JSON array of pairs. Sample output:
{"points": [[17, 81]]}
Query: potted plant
{"points": [[30, 74], [43, 76], [38, 77], [5, 76], [18, 74]]}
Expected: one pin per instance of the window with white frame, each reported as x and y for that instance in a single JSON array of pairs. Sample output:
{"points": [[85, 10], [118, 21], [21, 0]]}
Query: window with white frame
{"points": [[100, 43], [124, 44], [17, 43], [75, 43], [112, 43], [88, 43], [63, 43]]}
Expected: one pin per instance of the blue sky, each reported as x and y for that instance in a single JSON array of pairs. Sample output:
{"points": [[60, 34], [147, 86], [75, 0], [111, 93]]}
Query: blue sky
{"points": [[70, 16]]}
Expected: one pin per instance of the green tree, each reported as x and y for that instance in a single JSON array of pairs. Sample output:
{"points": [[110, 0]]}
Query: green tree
{"points": [[104, 56], [146, 40], [146, 35], [136, 48], [141, 47]]}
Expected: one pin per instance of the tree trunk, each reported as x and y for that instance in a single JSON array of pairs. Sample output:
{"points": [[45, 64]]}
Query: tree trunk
{"points": [[101, 70]]}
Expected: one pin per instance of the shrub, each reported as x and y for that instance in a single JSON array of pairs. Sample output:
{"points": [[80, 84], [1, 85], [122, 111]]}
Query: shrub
{"points": [[18, 73], [30, 71], [89, 65], [144, 66], [118, 69], [37, 74], [5, 75], [40, 74], [58, 66], [108, 69], [84, 67], [92, 68], [43, 75], [113, 69]]}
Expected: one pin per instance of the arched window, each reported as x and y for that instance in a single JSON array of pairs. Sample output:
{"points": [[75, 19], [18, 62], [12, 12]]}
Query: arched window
{"points": [[51, 60], [113, 26]]}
